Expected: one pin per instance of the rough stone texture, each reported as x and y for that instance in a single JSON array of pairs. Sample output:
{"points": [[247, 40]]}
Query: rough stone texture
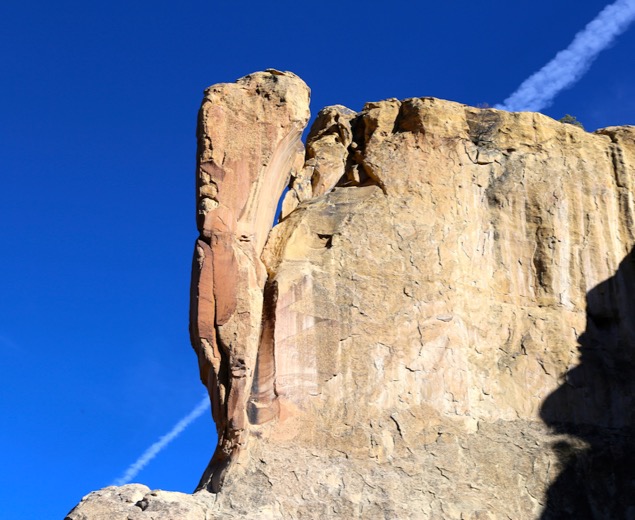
{"points": [[248, 145], [326, 157], [137, 502], [447, 326]]}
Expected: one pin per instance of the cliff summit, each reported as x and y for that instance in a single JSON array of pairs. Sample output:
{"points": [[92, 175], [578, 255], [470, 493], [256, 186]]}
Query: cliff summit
{"points": [[441, 325]]}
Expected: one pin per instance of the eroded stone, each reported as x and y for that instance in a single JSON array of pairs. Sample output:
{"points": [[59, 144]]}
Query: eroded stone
{"points": [[441, 327]]}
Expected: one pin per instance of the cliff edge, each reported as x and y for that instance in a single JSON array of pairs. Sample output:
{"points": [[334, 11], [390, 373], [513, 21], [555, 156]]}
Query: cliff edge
{"points": [[441, 326]]}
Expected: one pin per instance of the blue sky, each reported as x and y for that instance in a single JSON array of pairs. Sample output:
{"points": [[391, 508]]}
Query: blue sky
{"points": [[98, 105]]}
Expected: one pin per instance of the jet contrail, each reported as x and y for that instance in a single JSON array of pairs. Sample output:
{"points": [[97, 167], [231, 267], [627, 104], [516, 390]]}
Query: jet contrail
{"points": [[154, 450], [569, 65]]}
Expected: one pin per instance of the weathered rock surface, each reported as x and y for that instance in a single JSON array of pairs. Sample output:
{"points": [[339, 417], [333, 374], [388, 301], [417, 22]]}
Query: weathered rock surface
{"points": [[442, 326], [248, 144], [137, 502]]}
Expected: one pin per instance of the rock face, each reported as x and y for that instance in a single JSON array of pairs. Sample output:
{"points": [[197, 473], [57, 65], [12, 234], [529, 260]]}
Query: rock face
{"points": [[443, 324], [248, 143], [137, 502]]}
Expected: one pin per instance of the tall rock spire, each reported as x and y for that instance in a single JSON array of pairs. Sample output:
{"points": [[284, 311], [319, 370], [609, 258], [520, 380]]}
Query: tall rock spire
{"points": [[248, 144]]}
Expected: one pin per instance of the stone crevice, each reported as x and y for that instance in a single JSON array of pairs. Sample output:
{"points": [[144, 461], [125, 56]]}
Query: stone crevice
{"points": [[457, 343], [249, 142]]}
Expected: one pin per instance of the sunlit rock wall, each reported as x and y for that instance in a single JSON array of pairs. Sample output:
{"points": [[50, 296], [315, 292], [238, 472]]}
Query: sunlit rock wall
{"points": [[442, 326], [426, 316]]}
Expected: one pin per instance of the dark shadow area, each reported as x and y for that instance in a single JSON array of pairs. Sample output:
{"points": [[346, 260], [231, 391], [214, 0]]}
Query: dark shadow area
{"points": [[595, 406]]}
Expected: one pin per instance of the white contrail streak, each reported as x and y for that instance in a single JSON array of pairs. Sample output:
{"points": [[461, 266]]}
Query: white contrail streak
{"points": [[154, 450], [569, 65]]}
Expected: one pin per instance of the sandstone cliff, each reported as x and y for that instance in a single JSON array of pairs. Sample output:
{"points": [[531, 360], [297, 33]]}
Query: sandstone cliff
{"points": [[441, 326]]}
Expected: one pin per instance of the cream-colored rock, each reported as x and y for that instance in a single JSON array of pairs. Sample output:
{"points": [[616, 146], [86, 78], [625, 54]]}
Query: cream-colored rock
{"points": [[421, 322], [137, 502], [441, 327], [326, 156]]}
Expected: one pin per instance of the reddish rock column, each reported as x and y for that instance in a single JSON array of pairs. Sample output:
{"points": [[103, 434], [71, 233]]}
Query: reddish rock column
{"points": [[248, 144]]}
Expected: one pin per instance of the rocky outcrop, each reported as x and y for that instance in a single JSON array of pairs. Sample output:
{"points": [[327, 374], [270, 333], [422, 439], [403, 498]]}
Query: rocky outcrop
{"points": [[248, 143], [442, 326], [137, 502]]}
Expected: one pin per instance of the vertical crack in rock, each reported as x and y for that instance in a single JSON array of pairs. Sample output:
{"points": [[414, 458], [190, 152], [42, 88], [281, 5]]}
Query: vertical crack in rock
{"points": [[622, 141], [263, 405], [372, 126], [336, 150], [248, 144], [327, 149], [450, 287], [448, 306]]}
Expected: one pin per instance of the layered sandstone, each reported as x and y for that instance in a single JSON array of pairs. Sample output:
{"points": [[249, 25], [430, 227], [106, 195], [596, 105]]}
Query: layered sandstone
{"points": [[443, 324]]}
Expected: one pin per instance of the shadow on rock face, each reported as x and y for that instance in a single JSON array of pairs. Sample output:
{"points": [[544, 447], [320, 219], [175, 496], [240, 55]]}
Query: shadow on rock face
{"points": [[595, 409]]}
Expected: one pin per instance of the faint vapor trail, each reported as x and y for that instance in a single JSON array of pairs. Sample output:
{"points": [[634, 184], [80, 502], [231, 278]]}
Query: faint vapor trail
{"points": [[569, 65], [154, 450]]}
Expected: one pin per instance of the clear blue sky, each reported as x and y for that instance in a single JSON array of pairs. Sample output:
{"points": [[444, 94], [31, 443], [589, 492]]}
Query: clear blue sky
{"points": [[98, 105]]}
